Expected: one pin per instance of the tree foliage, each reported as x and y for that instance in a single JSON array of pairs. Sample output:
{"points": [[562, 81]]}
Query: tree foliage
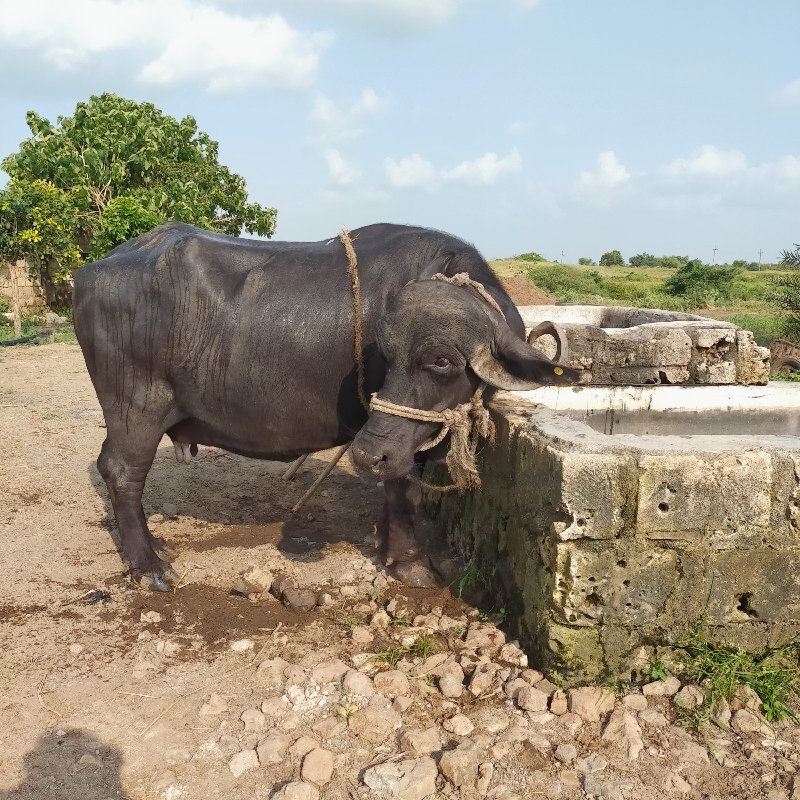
{"points": [[124, 218], [38, 221], [649, 260], [702, 283], [613, 258], [786, 294], [112, 148]]}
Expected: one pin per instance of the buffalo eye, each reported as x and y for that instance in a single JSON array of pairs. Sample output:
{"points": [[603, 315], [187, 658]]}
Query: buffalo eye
{"points": [[441, 363]]}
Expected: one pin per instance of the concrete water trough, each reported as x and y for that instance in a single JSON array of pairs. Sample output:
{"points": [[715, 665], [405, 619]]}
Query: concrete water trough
{"points": [[613, 519]]}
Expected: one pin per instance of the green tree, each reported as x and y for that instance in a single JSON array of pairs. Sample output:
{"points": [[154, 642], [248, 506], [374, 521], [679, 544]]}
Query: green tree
{"points": [[586, 262], [112, 148], [124, 218], [39, 222], [701, 283], [786, 294], [643, 260], [613, 258]]}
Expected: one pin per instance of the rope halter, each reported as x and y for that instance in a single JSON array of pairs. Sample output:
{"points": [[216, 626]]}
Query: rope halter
{"points": [[466, 423]]}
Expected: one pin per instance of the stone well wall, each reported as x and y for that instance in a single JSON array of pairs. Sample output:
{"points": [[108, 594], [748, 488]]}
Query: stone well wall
{"points": [[639, 346], [606, 550]]}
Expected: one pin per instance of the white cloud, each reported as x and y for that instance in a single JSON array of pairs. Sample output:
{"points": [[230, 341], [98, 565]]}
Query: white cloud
{"points": [[787, 96], [709, 162], [340, 171], [398, 16], [610, 172], [414, 172], [344, 122], [485, 169], [170, 43]]}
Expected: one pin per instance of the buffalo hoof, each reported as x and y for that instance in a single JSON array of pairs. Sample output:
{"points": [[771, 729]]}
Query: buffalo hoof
{"points": [[414, 573], [157, 580]]}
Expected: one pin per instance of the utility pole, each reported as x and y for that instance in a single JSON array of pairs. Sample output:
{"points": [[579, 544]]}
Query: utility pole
{"points": [[715, 255], [759, 259], [562, 256]]}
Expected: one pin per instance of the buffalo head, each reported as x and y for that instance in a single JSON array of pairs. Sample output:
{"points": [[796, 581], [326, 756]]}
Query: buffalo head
{"points": [[440, 341]]}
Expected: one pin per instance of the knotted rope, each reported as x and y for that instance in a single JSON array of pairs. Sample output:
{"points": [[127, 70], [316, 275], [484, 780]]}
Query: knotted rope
{"points": [[466, 424]]}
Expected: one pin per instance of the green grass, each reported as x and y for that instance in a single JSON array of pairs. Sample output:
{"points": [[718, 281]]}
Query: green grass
{"points": [[391, 656], [774, 675], [424, 646], [765, 327], [30, 327]]}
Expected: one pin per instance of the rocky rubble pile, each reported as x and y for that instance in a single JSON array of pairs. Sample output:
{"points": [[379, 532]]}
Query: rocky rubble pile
{"points": [[398, 699]]}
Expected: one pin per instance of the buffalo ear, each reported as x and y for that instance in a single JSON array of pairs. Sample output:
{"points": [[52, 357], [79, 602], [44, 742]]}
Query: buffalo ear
{"points": [[516, 366]]}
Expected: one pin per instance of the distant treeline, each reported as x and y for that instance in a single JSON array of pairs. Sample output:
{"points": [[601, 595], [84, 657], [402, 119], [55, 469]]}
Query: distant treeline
{"points": [[614, 258]]}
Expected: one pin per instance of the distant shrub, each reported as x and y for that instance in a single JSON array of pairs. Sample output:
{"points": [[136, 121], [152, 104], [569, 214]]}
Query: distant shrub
{"points": [[586, 262], [567, 283], [534, 257], [701, 283]]}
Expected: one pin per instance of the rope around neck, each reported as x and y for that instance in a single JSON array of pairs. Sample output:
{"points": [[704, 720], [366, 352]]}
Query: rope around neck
{"points": [[355, 284], [465, 423]]}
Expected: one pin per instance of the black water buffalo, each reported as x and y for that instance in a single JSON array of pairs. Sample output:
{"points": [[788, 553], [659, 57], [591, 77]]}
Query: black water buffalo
{"points": [[248, 346]]}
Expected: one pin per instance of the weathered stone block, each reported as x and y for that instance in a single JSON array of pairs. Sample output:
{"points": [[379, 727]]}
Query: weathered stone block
{"points": [[594, 490], [679, 493], [758, 584]]}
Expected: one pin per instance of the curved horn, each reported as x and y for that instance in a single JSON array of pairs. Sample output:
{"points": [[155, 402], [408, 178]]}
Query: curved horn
{"points": [[557, 332]]}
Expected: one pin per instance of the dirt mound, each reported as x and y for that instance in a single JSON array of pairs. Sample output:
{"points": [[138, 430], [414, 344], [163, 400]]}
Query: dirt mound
{"points": [[525, 293]]}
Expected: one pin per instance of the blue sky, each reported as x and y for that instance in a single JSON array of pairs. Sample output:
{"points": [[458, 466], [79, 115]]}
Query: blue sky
{"points": [[572, 126]]}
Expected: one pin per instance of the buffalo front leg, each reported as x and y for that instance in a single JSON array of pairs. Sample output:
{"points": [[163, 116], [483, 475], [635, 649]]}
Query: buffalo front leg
{"points": [[124, 461], [397, 544]]}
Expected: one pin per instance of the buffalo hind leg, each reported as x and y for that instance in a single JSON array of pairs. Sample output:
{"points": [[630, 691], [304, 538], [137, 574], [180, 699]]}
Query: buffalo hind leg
{"points": [[397, 544], [124, 461]]}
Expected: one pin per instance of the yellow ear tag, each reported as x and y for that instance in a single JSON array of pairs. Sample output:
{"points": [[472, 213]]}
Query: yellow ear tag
{"points": [[558, 370]]}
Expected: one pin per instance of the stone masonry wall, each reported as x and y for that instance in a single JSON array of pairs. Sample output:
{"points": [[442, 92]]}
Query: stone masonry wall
{"points": [[30, 293], [606, 556]]}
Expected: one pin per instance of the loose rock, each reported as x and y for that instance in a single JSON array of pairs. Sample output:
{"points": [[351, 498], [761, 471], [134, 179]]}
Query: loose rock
{"points": [[272, 748], [451, 681], [420, 742], [460, 766], [243, 762], [392, 683], [666, 688], [410, 779], [529, 698], [623, 730], [459, 725], [317, 766], [590, 702], [254, 581], [297, 790]]}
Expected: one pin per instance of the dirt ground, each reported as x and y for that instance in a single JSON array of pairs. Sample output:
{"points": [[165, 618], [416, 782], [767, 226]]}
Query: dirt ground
{"points": [[525, 293], [109, 691]]}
